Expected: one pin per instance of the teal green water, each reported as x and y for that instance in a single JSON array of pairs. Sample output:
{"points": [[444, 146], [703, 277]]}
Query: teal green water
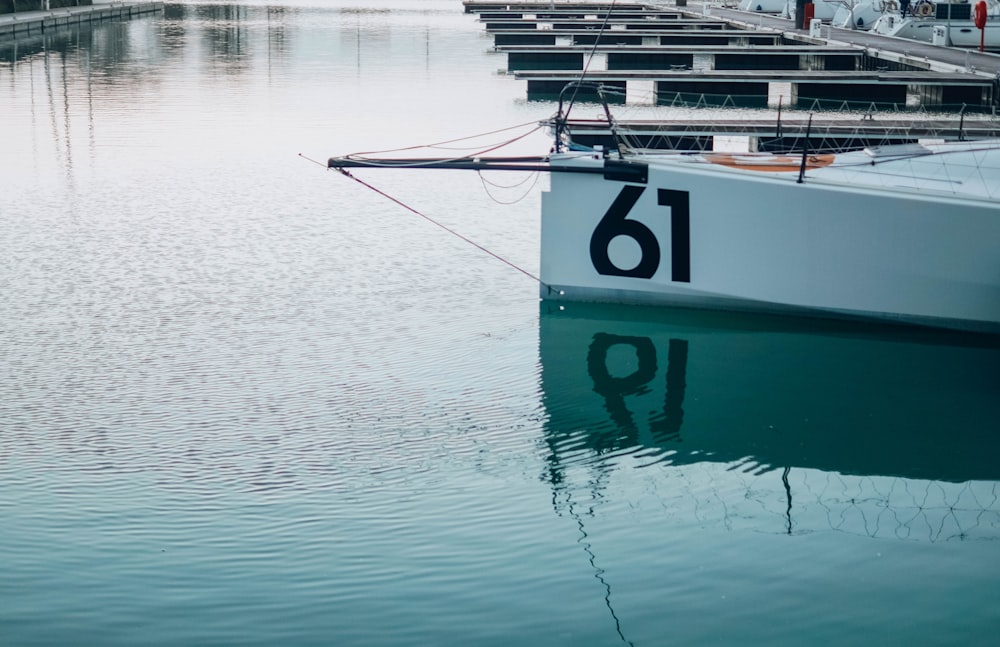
{"points": [[244, 400]]}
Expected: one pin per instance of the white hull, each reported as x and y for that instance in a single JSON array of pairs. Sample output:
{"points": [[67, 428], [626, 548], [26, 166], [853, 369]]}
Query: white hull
{"points": [[914, 240], [967, 35], [959, 33], [953, 32], [763, 6], [864, 14], [822, 10]]}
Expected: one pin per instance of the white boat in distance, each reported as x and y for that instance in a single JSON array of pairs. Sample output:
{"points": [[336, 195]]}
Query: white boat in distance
{"points": [[862, 14], [943, 23], [764, 6], [822, 9], [907, 233]]}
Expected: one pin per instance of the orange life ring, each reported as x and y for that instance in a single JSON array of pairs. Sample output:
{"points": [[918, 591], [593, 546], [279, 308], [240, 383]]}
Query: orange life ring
{"points": [[925, 9], [980, 16]]}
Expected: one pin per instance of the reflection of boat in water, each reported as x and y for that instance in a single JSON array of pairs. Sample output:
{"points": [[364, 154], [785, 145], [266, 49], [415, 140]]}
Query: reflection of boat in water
{"points": [[768, 425], [686, 387]]}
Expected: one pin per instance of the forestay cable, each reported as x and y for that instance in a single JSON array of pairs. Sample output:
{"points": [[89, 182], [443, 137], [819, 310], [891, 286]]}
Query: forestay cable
{"points": [[451, 231], [590, 56]]}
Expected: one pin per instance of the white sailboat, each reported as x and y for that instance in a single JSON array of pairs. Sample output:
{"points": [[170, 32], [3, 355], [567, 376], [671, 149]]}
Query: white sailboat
{"points": [[905, 233], [944, 23], [764, 6], [822, 9], [863, 14]]}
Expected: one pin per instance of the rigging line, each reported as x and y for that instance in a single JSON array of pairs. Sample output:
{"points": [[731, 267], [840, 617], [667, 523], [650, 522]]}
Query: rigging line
{"points": [[510, 141], [584, 541], [432, 221], [788, 497], [452, 141], [528, 178], [376, 162], [590, 56], [487, 184], [492, 147]]}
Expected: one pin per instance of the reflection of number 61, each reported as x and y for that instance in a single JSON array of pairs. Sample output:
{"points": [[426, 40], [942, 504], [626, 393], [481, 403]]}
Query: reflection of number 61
{"points": [[616, 223]]}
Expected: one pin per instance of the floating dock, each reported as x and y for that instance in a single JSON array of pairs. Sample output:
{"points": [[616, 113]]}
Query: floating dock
{"points": [[707, 54], [687, 57], [561, 6], [780, 135], [809, 89]]}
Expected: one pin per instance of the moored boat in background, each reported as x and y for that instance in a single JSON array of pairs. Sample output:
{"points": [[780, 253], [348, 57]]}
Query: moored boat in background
{"points": [[763, 6], [823, 10], [862, 15], [945, 23]]}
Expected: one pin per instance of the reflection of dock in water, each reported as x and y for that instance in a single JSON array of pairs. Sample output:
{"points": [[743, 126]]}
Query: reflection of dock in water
{"points": [[24, 23], [788, 419]]}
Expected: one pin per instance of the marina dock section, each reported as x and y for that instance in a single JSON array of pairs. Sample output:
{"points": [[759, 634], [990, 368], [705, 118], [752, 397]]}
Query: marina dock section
{"points": [[783, 134], [935, 91], [22, 23], [704, 53]]}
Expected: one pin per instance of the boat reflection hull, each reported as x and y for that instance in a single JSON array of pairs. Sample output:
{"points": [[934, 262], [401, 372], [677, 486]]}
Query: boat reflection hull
{"points": [[687, 386]]}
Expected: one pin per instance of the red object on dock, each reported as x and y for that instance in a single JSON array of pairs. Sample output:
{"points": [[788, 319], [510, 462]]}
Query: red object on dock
{"points": [[808, 13], [980, 20]]}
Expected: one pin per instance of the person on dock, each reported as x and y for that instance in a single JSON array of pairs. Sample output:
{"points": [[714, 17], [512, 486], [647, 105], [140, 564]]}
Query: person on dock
{"points": [[904, 8]]}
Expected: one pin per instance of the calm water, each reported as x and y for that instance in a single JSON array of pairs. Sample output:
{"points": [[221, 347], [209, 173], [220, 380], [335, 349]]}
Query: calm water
{"points": [[244, 400]]}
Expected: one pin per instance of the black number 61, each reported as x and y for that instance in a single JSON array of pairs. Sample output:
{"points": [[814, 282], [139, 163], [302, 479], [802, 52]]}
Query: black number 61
{"points": [[616, 223]]}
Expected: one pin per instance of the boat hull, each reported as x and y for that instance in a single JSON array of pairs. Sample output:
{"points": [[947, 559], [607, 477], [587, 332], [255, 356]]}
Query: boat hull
{"points": [[958, 33], [714, 237]]}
